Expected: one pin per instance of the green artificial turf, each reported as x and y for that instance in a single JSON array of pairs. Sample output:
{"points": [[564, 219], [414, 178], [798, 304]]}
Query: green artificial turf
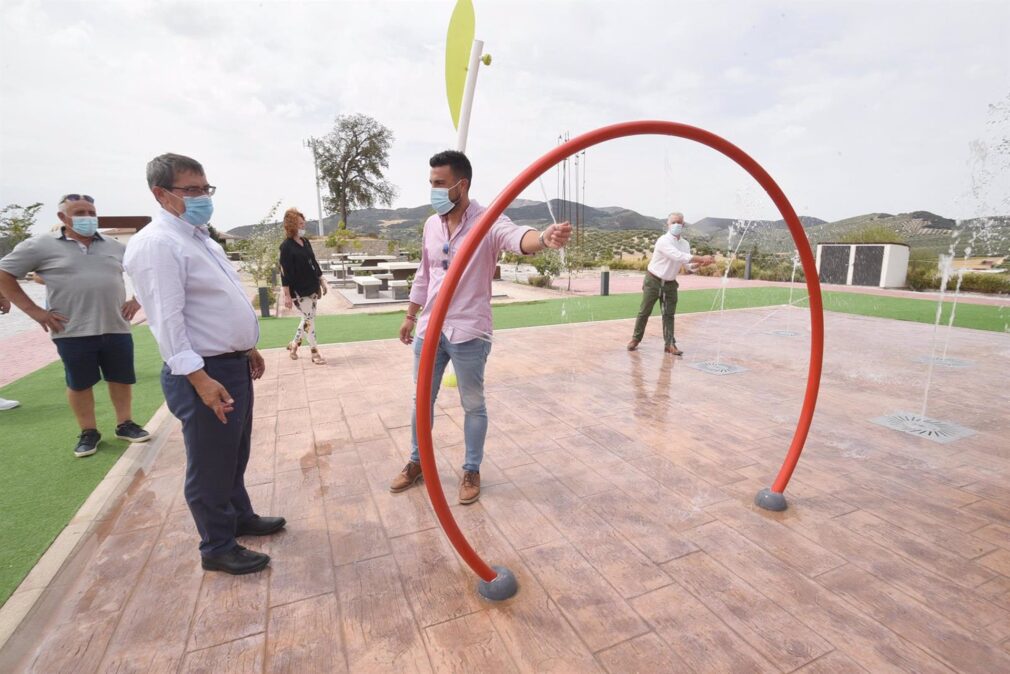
{"points": [[42, 485], [976, 316]]}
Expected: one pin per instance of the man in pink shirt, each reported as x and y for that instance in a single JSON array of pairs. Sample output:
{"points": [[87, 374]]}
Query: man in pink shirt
{"points": [[466, 334]]}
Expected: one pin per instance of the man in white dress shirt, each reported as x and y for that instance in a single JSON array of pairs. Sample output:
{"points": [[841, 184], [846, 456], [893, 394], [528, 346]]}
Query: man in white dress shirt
{"points": [[671, 254], [206, 331]]}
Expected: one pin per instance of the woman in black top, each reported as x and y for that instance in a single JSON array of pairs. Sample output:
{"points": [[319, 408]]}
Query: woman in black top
{"points": [[300, 276]]}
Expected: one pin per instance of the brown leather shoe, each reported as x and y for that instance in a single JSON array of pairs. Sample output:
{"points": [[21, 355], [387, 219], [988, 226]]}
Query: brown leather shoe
{"points": [[633, 344], [407, 478], [674, 350], [469, 488]]}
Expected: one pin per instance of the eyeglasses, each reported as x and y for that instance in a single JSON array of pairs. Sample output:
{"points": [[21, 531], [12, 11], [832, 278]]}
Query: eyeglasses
{"points": [[445, 251], [196, 191], [78, 197]]}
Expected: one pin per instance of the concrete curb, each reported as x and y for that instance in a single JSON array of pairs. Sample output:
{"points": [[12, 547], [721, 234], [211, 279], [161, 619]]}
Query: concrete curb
{"points": [[100, 504]]}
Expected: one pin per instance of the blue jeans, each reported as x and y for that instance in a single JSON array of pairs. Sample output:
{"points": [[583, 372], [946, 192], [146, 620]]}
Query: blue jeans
{"points": [[468, 360]]}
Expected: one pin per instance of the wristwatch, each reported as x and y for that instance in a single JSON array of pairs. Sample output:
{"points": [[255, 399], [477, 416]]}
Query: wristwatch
{"points": [[543, 244]]}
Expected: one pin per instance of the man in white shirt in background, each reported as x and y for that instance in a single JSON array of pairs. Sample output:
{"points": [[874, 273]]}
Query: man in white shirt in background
{"points": [[206, 331], [671, 254]]}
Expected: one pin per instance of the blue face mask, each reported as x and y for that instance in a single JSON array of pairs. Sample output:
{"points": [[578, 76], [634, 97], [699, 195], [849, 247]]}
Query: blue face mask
{"points": [[676, 228], [440, 200], [85, 225], [198, 210]]}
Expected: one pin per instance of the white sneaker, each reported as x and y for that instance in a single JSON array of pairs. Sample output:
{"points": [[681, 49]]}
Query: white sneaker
{"points": [[8, 404]]}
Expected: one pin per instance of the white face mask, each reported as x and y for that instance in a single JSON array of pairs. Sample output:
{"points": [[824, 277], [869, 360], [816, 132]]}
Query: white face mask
{"points": [[440, 200], [301, 233], [676, 228]]}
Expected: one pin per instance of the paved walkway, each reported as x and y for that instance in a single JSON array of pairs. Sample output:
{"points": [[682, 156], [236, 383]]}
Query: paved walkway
{"points": [[631, 282], [618, 487], [20, 335]]}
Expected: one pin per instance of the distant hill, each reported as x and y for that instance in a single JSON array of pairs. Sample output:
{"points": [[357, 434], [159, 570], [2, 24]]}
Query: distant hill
{"points": [[920, 229], [711, 226], [611, 218], [405, 223]]}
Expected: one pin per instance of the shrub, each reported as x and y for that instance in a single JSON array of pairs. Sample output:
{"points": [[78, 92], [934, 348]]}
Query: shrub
{"points": [[775, 270], [539, 281], [547, 263], [873, 234], [922, 278], [338, 239], [719, 268], [413, 251], [716, 269], [633, 265], [983, 283]]}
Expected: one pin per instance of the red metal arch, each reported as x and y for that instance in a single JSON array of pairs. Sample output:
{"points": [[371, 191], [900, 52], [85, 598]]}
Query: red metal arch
{"points": [[497, 207]]}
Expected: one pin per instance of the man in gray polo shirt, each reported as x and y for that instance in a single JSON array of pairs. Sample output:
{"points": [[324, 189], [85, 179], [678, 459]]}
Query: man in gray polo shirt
{"points": [[87, 313]]}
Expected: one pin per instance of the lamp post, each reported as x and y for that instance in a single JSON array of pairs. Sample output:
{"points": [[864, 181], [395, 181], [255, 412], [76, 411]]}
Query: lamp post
{"points": [[311, 143]]}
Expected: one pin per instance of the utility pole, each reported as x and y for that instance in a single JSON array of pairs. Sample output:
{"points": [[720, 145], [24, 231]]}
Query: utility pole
{"points": [[311, 143]]}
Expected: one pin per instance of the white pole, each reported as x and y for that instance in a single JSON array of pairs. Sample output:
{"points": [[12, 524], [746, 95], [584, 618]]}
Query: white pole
{"points": [[468, 90]]}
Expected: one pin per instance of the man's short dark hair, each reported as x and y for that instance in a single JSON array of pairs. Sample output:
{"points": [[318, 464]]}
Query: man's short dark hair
{"points": [[456, 161], [162, 170]]}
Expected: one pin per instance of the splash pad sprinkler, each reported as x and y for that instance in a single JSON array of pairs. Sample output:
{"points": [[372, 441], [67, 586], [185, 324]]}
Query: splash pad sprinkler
{"points": [[497, 582], [920, 424]]}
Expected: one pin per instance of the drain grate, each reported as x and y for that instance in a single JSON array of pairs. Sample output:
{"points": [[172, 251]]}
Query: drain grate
{"points": [[945, 362], [924, 427], [718, 368], [784, 333]]}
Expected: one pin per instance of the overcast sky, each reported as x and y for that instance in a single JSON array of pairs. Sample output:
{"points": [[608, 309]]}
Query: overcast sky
{"points": [[852, 107]]}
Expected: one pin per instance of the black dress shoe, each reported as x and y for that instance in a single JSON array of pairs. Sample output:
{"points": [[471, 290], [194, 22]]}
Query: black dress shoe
{"points": [[260, 526], [237, 561]]}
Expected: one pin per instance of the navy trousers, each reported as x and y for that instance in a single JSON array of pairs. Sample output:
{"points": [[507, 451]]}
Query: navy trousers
{"points": [[216, 453]]}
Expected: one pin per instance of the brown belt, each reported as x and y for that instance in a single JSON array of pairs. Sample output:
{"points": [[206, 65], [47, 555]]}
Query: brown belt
{"points": [[657, 278]]}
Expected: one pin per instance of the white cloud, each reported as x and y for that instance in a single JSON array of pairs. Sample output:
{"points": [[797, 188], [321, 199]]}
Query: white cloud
{"points": [[852, 107]]}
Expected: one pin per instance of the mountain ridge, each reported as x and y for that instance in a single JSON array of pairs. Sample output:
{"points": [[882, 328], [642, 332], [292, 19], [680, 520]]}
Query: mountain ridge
{"points": [[920, 228], [400, 222]]}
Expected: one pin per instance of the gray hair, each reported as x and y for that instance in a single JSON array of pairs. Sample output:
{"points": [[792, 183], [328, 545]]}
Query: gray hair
{"points": [[676, 216], [161, 170]]}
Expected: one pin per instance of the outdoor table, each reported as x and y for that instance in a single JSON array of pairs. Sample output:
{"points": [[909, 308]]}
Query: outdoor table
{"points": [[370, 260], [401, 271]]}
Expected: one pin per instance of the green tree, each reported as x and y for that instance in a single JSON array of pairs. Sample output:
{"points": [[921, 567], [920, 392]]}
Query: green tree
{"points": [[575, 260], [338, 239], [16, 225], [548, 265], [352, 159], [261, 249]]}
